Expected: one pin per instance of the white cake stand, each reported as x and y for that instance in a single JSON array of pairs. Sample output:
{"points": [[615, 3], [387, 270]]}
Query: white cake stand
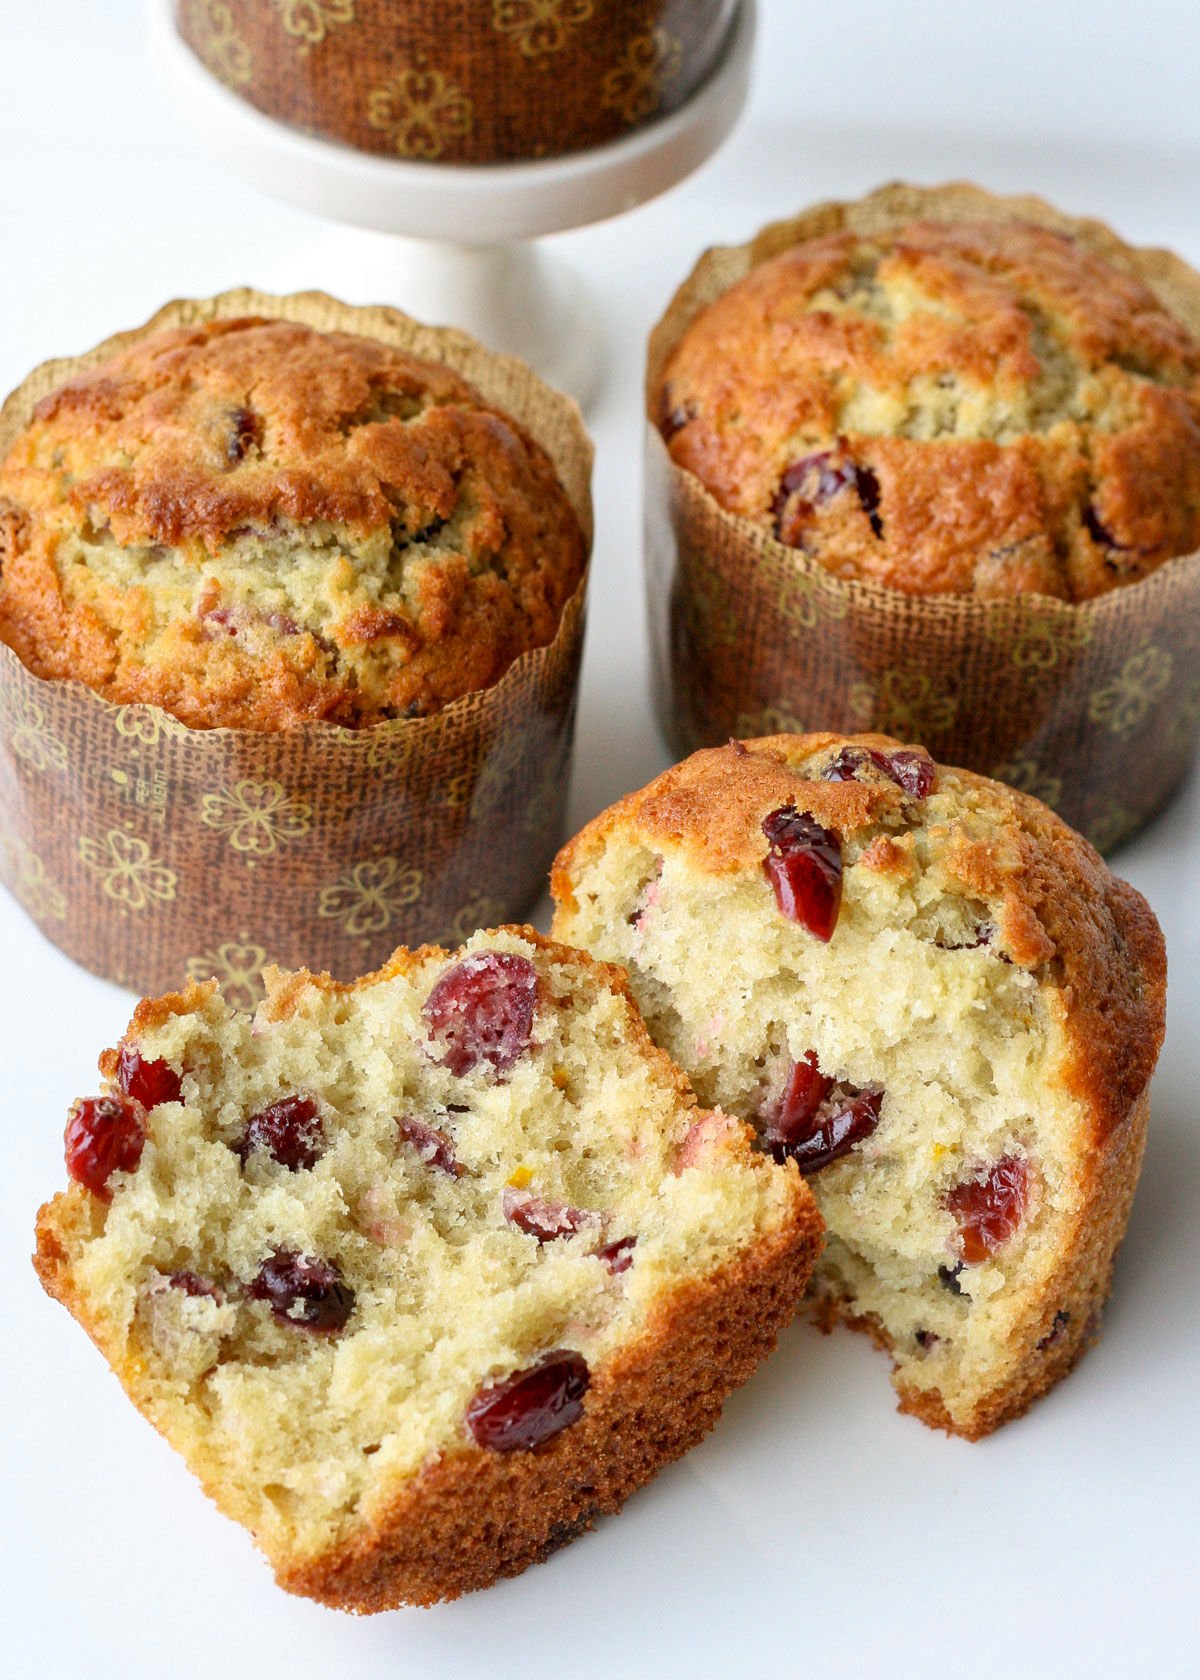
{"points": [[466, 256]]}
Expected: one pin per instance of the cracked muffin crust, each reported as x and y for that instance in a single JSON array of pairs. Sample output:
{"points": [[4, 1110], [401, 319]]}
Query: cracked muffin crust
{"points": [[930, 993], [947, 407], [420, 1275], [253, 523]]}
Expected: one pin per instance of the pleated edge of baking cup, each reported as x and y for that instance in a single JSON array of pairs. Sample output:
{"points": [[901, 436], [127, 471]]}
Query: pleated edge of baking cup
{"points": [[26, 699], [676, 497]]}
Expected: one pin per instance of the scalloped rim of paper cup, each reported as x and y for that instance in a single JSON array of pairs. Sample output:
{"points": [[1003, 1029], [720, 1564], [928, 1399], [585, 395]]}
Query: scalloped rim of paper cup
{"points": [[448, 345]]}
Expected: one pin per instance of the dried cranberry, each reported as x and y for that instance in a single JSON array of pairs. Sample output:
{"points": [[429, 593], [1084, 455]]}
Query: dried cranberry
{"points": [[804, 866], [617, 1256], [867, 486], [245, 433], [1098, 530], [814, 480], [432, 1145], [927, 1338], [911, 770], [804, 1090], [104, 1135], [1056, 1331], [227, 617], [914, 771], [817, 1122], [482, 1009], [672, 416], [191, 1283], [149, 1083], [290, 1130], [305, 1293], [544, 1220], [530, 1407], [948, 1277], [989, 1209], [846, 766]]}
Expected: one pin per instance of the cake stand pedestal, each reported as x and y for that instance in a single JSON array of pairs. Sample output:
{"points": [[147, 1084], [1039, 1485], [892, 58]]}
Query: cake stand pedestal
{"points": [[464, 249]]}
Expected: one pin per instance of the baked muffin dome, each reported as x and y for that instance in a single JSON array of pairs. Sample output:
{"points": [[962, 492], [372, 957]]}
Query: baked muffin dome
{"points": [[970, 407], [930, 993], [254, 523], [422, 1274]]}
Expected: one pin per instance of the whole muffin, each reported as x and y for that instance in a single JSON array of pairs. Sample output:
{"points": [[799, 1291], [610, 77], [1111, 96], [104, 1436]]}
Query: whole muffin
{"points": [[253, 523], [931, 994], [985, 407]]}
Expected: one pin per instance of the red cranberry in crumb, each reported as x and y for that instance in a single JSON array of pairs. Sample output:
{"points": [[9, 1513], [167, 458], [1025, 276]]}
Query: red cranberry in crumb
{"points": [[617, 1256], [989, 1209], [804, 1090], [847, 764], [544, 1220], [913, 771], [482, 1009], [303, 1292], [104, 1135], [814, 480], [804, 867], [530, 1407], [843, 1119], [290, 1130], [191, 1283], [245, 433], [432, 1145], [926, 1339], [149, 1083]]}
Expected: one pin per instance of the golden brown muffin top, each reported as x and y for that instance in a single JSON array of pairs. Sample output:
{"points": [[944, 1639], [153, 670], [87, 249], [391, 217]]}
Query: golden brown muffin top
{"points": [[977, 407], [253, 523], [1091, 940]]}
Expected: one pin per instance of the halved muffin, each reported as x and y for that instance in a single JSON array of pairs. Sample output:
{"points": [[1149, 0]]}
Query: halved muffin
{"points": [[422, 1274], [933, 996]]}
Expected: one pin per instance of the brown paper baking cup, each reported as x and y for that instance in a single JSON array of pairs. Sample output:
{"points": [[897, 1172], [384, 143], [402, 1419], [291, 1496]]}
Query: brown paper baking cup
{"points": [[1092, 706], [150, 852], [480, 82]]}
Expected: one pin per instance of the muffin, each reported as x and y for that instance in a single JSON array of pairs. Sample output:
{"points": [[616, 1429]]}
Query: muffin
{"points": [[423, 1274], [947, 407], [252, 523], [928, 464], [927, 991], [493, 81], [291, 616]]}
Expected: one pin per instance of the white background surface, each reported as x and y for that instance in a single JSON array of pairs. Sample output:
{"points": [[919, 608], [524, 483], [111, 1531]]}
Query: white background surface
{"points": [[816, 1531]]}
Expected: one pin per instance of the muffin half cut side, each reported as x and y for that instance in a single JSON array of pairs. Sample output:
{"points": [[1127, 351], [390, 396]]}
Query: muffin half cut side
{"points": [[420, 1275], [931, 994]]}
